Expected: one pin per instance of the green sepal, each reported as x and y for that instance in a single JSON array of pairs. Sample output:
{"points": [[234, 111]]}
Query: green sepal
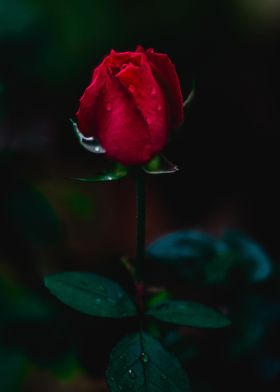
{"points": [[188, 313], [160, 165], [139, 363], [117, 173], [89, 143], [189, 100], [91, 294]]}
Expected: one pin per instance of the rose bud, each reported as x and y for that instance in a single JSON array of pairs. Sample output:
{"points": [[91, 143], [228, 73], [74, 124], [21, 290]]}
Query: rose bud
{"points": [[132, 103]]}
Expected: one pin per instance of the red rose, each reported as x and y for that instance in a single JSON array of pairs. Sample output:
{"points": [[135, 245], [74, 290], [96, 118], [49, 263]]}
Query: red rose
{"points": [[132, 103]]}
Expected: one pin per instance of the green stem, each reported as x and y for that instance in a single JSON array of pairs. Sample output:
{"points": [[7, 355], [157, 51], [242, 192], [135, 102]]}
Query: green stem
{"points": [[140, 223]]}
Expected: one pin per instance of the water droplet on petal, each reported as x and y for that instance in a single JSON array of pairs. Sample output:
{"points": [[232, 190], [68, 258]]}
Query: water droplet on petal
{"points": [[144, 357], [153, 91], [149, 121], [163, 377], [132, 373], [159, 107], [109, 107], [131, 88]]}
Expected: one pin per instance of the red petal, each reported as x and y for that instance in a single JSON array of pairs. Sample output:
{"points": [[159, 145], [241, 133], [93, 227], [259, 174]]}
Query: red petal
{"points": [[122, 130], [118, 59], [88, 102], [145, 93], [167, 76], [139, 48]]}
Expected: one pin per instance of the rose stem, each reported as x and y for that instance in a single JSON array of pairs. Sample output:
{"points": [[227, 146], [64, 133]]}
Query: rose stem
{"points": [[140, 233]]}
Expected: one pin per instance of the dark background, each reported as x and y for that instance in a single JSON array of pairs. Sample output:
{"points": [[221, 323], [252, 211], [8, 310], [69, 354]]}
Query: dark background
{"points": [[227, 151]]}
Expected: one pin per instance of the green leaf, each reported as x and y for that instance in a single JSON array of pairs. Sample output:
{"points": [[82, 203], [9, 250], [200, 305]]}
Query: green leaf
{"points": [[139, 363], [114, 175], [117, 173], [91, 294], [158, 298], [182, 246], [188, 313], [160, 165]]}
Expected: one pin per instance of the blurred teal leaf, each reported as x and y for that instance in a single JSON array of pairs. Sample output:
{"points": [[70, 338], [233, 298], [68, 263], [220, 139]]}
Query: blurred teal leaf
{"points": [[91, 294], [182, 246], [160, 165], [248, 255], [139, 363], [205, 259], [188, 313]]}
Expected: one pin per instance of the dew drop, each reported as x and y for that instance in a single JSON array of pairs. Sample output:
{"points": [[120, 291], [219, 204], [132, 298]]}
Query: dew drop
{"points": [[101, 288], [109, 107], [144, 357], [159, 107], [111, 300], [163, 377], [131, 88], [95, 148], [132, 373], [120, 388], [98, 301], [98, 149], [153, 91], [149, 121]]}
